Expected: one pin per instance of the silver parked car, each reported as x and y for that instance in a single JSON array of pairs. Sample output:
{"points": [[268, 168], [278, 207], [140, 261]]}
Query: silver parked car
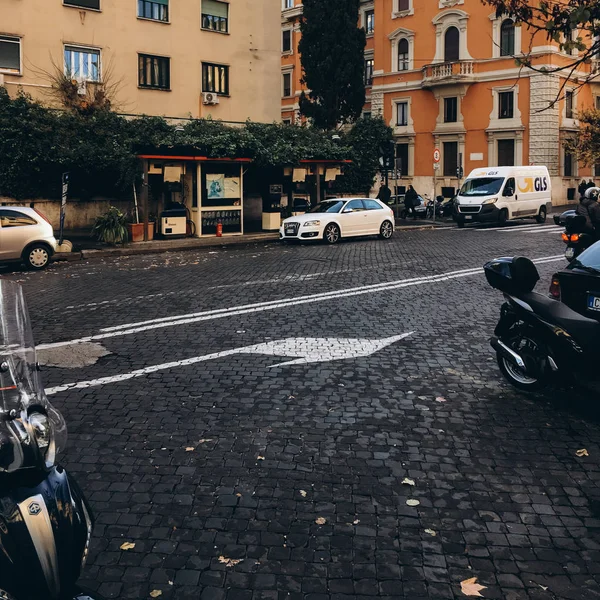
{"points": [[26, 236]]}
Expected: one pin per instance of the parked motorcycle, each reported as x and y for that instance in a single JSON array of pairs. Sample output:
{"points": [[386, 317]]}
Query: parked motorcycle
{"points": [[539, 340], [439, 210], [45, 522], [574, 235]]}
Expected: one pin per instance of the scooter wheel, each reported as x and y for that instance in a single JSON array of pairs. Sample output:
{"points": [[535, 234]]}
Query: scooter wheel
{"points": [[519, 378]]}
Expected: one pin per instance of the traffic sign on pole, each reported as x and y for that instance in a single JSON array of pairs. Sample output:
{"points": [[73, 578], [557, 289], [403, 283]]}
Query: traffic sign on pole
{"points": [[436, 155]]}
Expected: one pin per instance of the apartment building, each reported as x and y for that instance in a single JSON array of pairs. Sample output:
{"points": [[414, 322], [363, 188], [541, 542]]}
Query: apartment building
{"points": [[443, 74], [177, 58]]}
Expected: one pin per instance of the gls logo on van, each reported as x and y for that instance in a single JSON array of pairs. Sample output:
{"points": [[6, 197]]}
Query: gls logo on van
{"points": [[539, 184]]}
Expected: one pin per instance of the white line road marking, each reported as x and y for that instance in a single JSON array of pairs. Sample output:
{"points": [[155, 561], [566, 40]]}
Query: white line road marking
{"points": [[310, 350], [508, 228], [186, 319]]}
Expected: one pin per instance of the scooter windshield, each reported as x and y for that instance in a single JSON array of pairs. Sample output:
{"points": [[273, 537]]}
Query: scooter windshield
{"points": [[31, 429]]}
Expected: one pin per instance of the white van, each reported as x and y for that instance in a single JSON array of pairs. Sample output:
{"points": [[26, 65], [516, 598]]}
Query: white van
{"points": [[497, 194]]}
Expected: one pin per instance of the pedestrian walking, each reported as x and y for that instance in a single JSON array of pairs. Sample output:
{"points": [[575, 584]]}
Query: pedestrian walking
{"points": [[384, 194], [411, 199], [583, 186]]}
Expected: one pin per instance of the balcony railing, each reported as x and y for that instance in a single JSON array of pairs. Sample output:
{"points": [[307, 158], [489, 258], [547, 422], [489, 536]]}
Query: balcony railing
{"points": [[450, 72]]}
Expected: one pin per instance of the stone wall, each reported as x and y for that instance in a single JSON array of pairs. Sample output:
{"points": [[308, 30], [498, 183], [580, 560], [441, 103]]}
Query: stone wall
{"points": [[544, 141], [79, 214]]}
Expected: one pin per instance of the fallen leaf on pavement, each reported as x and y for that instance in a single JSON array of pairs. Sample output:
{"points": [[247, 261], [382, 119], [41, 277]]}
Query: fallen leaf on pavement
{"points": [[190, 449], [321, 521], [356, 521], [260, 458], [412, 502], [127, 546], [440, 399], [470, 587], [303, 493], [230, 562], [407, 481], [544, 587], [582, 452], [155, 593], [431, 532], [203, 441]]}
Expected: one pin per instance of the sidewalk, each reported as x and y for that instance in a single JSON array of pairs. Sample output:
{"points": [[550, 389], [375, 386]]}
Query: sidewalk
{"points": [[85, 248]]}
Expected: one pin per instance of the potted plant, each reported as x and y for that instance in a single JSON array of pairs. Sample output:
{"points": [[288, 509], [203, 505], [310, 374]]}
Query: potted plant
{"points": [[111, 227], [135, 229]]}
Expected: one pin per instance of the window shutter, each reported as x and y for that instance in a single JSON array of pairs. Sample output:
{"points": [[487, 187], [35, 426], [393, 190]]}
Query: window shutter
{"points": [[215, 9]]}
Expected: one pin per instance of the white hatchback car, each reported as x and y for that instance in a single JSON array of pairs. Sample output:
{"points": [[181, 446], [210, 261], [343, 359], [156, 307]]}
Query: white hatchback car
{"points": [[26, 236], [333, 219]]}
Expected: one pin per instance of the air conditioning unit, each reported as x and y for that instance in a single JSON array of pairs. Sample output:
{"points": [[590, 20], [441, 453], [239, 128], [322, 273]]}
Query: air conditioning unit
{"points": [[82, 87], [210, 98]]}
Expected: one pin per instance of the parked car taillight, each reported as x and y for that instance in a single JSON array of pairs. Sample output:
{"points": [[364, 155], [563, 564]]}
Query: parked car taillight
{"points": [[41, 214], [555, 288]]}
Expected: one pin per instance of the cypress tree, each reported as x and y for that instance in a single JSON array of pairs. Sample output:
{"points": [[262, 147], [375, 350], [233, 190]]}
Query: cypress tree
{"points": [[332, 53]]}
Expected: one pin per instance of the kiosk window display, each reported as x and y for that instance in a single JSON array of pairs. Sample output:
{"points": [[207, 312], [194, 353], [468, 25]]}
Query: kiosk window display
{"points": [[221, 190]]}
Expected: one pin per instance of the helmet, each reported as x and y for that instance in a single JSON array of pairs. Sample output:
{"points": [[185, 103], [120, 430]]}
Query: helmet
{"points": [[592, 193]]}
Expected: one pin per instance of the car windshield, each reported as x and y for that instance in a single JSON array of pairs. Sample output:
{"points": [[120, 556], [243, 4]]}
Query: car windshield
{"points": [[482, 186], [331, 206], [589, 260]]}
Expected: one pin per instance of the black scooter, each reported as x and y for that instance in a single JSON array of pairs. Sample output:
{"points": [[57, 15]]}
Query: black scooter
{"points": [[45, 522], [538, 340], [575, 235]]}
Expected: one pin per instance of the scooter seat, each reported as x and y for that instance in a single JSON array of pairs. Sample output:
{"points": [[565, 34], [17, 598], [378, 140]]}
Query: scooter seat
{"points": [[585, 331]]}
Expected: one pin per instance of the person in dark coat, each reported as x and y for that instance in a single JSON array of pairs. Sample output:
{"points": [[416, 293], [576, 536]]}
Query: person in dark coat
{"points": [[411, 200], [583, 186], [384, 194], [590, 209]]}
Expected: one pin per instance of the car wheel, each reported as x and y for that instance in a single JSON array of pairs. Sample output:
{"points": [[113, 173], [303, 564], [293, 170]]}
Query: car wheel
{"points": [[503, 216], [403, 214], [541, 218], [332, 233], [37, 257], [386, 230]]}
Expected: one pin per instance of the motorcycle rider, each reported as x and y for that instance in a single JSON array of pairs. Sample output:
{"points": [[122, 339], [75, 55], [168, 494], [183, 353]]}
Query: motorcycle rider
{"points": [[590, 209]]}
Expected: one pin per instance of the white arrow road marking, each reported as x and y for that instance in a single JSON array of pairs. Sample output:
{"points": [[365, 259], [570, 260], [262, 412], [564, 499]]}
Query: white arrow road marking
{"points": [[209, 315], [309, 350]]}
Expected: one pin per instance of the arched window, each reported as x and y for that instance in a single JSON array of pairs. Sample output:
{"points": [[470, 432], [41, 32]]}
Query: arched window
{"points": [[403, 59], [507, 38], [452, 45]]}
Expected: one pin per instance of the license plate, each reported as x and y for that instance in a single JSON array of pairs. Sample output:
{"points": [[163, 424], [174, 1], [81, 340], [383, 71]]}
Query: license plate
{"points": [[593, 302], [468, 218], [569, 253], [289, 229]]}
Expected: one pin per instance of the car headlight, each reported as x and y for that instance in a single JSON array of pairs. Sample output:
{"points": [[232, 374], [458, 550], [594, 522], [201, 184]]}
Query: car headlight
{"points": [[490, 201], [312, 223]]}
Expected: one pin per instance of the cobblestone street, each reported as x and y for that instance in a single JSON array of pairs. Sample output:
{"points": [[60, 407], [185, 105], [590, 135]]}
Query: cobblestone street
{"points": [[385, 458]]}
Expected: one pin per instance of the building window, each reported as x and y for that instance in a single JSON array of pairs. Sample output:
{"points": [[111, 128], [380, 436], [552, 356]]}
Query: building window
{"points": [[402, 165], [450, 159], [215, 78], [401, 114], [366, 114], [507, 108], [287, 85], [370, 21], [597, 101], [287, 121], [403, 57], [82, 64], [403, 5], [450, 110], [94, 4], [287, 4], [369, 71], [215, 16], [10, 54], [569, 104], [507, 38], [506, 153], [286, 40], [452, 45], [157, 10], [154, 72], [568, 164]]}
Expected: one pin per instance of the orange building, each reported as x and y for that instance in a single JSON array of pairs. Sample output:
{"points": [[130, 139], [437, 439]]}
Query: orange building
{"points": [[443, 74]]}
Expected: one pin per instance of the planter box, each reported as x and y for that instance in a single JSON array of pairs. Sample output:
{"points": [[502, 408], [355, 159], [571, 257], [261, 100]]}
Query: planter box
{"points": [[136, 232], [150, 230]]}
